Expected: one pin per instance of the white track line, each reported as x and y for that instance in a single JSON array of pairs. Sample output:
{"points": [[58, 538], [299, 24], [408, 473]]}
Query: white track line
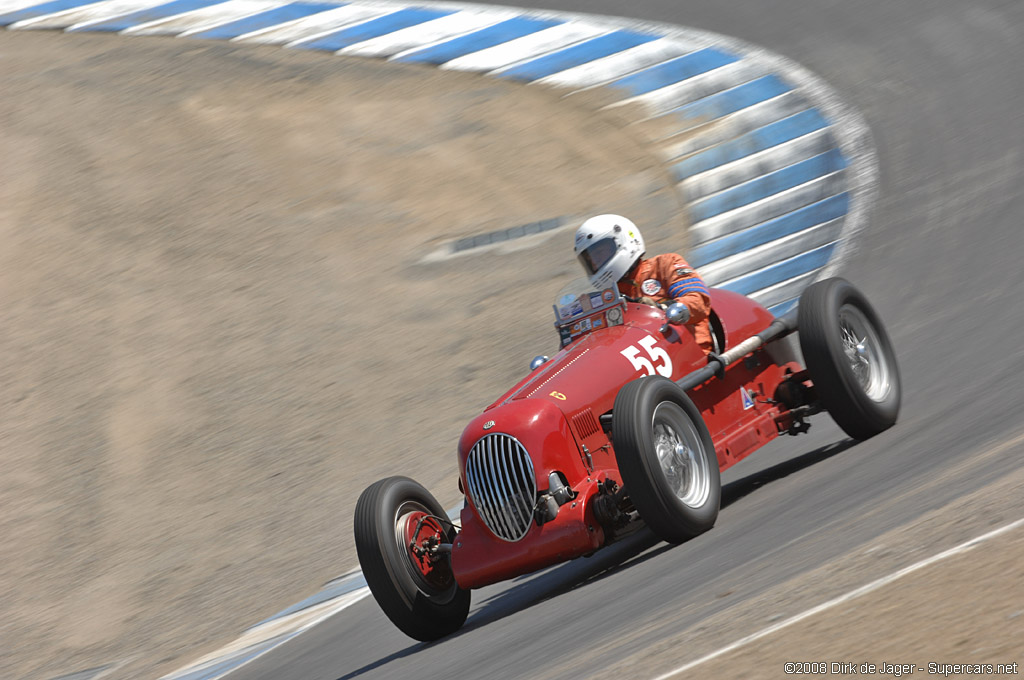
{"points": [[853, 594]]}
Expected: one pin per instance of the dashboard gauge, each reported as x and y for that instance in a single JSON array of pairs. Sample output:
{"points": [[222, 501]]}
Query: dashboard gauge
{"points": [[614, 316]]}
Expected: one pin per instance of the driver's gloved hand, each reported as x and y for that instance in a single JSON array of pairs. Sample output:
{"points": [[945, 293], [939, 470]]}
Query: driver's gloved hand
{"points": [[648, 301]]}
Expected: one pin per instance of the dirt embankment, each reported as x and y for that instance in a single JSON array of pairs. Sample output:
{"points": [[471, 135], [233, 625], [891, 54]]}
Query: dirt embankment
{"points": [[214, 331]]}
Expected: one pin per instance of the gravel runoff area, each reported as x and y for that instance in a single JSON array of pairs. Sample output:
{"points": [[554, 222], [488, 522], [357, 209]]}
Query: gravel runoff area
{"points": [[216, 330]]}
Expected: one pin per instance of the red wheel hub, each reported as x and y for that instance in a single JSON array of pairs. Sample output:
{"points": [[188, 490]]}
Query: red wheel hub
{"points": [[423, 533]]}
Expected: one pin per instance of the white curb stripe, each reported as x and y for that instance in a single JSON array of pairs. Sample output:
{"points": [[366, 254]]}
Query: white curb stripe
{"points": [[87, 14], [425, 34], [716, 180], [202, 19], [704, 134], [312, 27], [15, 5], [768, 208], [722, 272], [842, 599], [525, 48], [607, 69], [678, 94], [787, 290]]}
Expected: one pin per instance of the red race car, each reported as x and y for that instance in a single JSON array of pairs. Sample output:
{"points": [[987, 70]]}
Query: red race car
{"points": [[629, 424]]}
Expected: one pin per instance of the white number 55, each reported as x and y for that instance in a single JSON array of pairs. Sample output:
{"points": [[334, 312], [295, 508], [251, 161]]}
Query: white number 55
{"points": [[656, 353]]}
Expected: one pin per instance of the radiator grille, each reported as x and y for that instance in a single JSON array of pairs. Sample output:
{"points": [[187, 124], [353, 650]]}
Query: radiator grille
{"points": [[499, 474]]}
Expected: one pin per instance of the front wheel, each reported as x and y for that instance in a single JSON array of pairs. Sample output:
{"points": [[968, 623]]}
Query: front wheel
{"points": [[666, 458], [398, 525], [850, 358]]}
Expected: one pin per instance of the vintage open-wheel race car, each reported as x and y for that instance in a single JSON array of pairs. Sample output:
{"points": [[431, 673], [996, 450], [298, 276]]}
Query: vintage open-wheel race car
{"points": [[629, 424]]}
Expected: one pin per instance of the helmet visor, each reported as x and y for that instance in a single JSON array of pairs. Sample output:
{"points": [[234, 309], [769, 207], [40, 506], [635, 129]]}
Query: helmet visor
{"points": [[598, 254]]}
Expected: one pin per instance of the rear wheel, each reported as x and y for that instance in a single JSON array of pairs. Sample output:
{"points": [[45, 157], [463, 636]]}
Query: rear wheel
{"points": [[666, 458], [398, 525], [850, 358]]}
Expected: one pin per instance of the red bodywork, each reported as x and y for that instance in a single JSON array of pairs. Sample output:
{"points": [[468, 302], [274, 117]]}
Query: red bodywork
{"points": [[554, 412]]}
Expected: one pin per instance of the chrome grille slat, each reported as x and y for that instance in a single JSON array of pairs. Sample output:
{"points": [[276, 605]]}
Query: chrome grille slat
{"points": [[514, 506], [515, 485], [487, 507], [527, 495], [496, 489], [499, 477], [486, 501], [511, 510], [529, 492]]}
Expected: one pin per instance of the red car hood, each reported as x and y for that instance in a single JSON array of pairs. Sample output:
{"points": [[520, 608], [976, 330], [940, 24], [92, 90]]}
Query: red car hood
{"points": [[588, 373]]}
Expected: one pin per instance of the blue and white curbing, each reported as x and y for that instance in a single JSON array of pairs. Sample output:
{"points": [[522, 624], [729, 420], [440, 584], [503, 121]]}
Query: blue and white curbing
{"points": [[776, 172]]}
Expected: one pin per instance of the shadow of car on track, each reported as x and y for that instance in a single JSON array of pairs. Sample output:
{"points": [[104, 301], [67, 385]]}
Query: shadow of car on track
{"points": [[735, 490], [532, 589]]}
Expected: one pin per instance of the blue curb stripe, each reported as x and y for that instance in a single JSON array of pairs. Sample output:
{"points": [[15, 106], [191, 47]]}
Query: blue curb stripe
{"points": [[236, 659], [126, 21], [584, 52], [389, 23], [809, 216], [279, 15], [734, 99], [767, 185], [497, 34], [674, 70], [783, 271], [331, 591], [41, 10], [783, 307], [785, 130]]}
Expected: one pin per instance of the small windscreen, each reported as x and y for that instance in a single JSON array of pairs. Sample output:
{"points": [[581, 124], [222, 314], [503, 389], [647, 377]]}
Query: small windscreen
{"points": [[598, 254]]}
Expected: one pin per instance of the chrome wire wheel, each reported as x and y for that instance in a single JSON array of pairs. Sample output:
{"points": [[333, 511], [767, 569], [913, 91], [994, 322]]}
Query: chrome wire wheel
{"points": [[862, 348], [849, 357], [666, 458], [681, 455]]}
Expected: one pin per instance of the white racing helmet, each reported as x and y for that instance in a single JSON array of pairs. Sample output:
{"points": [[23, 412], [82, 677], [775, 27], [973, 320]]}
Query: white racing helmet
{"points": [[607, 247]]}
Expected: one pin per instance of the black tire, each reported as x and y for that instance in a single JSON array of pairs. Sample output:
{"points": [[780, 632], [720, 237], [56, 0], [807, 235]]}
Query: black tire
{"points": [[424, 609], [864, 400], [647, 412]]}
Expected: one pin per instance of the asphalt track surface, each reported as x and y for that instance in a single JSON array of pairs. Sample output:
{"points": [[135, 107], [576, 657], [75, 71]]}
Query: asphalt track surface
{"points": [[939, 82]]}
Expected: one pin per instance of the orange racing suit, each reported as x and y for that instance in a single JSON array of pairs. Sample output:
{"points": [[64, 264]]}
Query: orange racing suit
{"points": [[667, 278]]}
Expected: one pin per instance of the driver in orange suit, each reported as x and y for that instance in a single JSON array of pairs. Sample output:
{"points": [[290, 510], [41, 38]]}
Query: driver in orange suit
{"points": [[611, 249]]}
